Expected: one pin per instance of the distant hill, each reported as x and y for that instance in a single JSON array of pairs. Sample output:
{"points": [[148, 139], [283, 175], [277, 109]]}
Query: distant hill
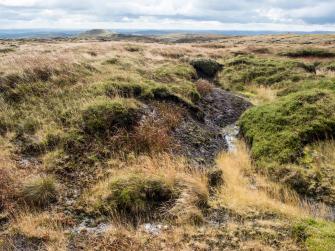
{"points": [[97, 33]]}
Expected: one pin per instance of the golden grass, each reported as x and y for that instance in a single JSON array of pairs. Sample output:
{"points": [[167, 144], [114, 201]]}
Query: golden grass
{"points": [[44, 226], [189, 183], [260, 94], [245, 190]]}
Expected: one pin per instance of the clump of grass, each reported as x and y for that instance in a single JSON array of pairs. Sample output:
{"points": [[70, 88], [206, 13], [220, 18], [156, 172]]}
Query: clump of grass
{"points": [[174, 72], [153, 187], [205, 67], [103, 115], [133, 48], [204, 87], [135, 194], [309, 52], [259, 94], [278, 131], [40, 191]]}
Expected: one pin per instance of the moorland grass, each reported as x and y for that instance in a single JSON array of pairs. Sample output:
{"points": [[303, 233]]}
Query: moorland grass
{"points": [[40, 191], [242, 71], [309, 52], [104, 115], [278, 131]]}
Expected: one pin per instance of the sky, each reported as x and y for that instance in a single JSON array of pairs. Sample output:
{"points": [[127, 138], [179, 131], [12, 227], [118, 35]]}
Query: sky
{"points": [[281, 15]]}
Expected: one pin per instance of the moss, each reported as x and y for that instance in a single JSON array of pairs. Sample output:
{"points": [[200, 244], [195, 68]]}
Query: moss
{"points": [[40, 191], [103, 115], [278, 131], [205, 67], [317, 235]]}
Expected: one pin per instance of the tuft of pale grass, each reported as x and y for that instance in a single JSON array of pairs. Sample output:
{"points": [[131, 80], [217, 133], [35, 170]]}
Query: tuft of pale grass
{"points": [[261, 94], [40, 191], [325, 72], [187, 185], [245, 190], [44, 227]]}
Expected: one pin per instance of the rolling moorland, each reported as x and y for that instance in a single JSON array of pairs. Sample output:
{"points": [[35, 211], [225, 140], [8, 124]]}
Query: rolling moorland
{"points": [[175, 142]]}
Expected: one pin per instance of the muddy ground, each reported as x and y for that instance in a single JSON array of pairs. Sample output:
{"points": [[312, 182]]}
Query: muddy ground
{"points": [[202, 140]]}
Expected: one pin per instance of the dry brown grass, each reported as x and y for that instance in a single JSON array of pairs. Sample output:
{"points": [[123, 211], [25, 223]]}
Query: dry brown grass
{"points": [[204, 87], [244, 190], [9, 178], [44, 227], [153, 134]]}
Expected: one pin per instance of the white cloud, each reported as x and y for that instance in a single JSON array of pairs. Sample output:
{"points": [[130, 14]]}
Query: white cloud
{"points": [[169, 14]]}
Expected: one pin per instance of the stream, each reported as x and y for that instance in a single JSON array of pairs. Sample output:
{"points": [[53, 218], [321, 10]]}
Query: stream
{"points": [[230, 133]]}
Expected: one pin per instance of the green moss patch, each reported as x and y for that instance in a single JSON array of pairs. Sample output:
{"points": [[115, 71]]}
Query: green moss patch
{"points": [[279, 131], [105, 115], [316, 235], [246, 70]]}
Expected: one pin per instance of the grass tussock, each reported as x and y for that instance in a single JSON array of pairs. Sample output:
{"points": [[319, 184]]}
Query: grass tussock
{"points": [[174, 73], [152, 187], [103, 116], [205, 67], [204, 87], [260, 94], [40, 191]]}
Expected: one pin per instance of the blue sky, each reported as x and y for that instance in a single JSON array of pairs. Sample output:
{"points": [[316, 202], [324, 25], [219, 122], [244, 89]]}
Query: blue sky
{"points": [[169, 14]]}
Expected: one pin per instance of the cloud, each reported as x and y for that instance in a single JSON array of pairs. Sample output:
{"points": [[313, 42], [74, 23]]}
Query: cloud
{"points": [[172, 14]]}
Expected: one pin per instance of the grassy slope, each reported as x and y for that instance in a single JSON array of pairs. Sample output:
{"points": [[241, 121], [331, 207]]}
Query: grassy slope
{"points": [[54, 97]]}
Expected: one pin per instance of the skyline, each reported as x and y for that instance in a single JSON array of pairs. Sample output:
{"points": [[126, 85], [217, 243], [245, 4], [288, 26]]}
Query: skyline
{"points": [[272, 15]]}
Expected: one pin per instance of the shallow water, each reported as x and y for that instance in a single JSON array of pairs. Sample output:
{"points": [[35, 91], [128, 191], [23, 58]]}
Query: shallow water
{"points": [[230, 133]]}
